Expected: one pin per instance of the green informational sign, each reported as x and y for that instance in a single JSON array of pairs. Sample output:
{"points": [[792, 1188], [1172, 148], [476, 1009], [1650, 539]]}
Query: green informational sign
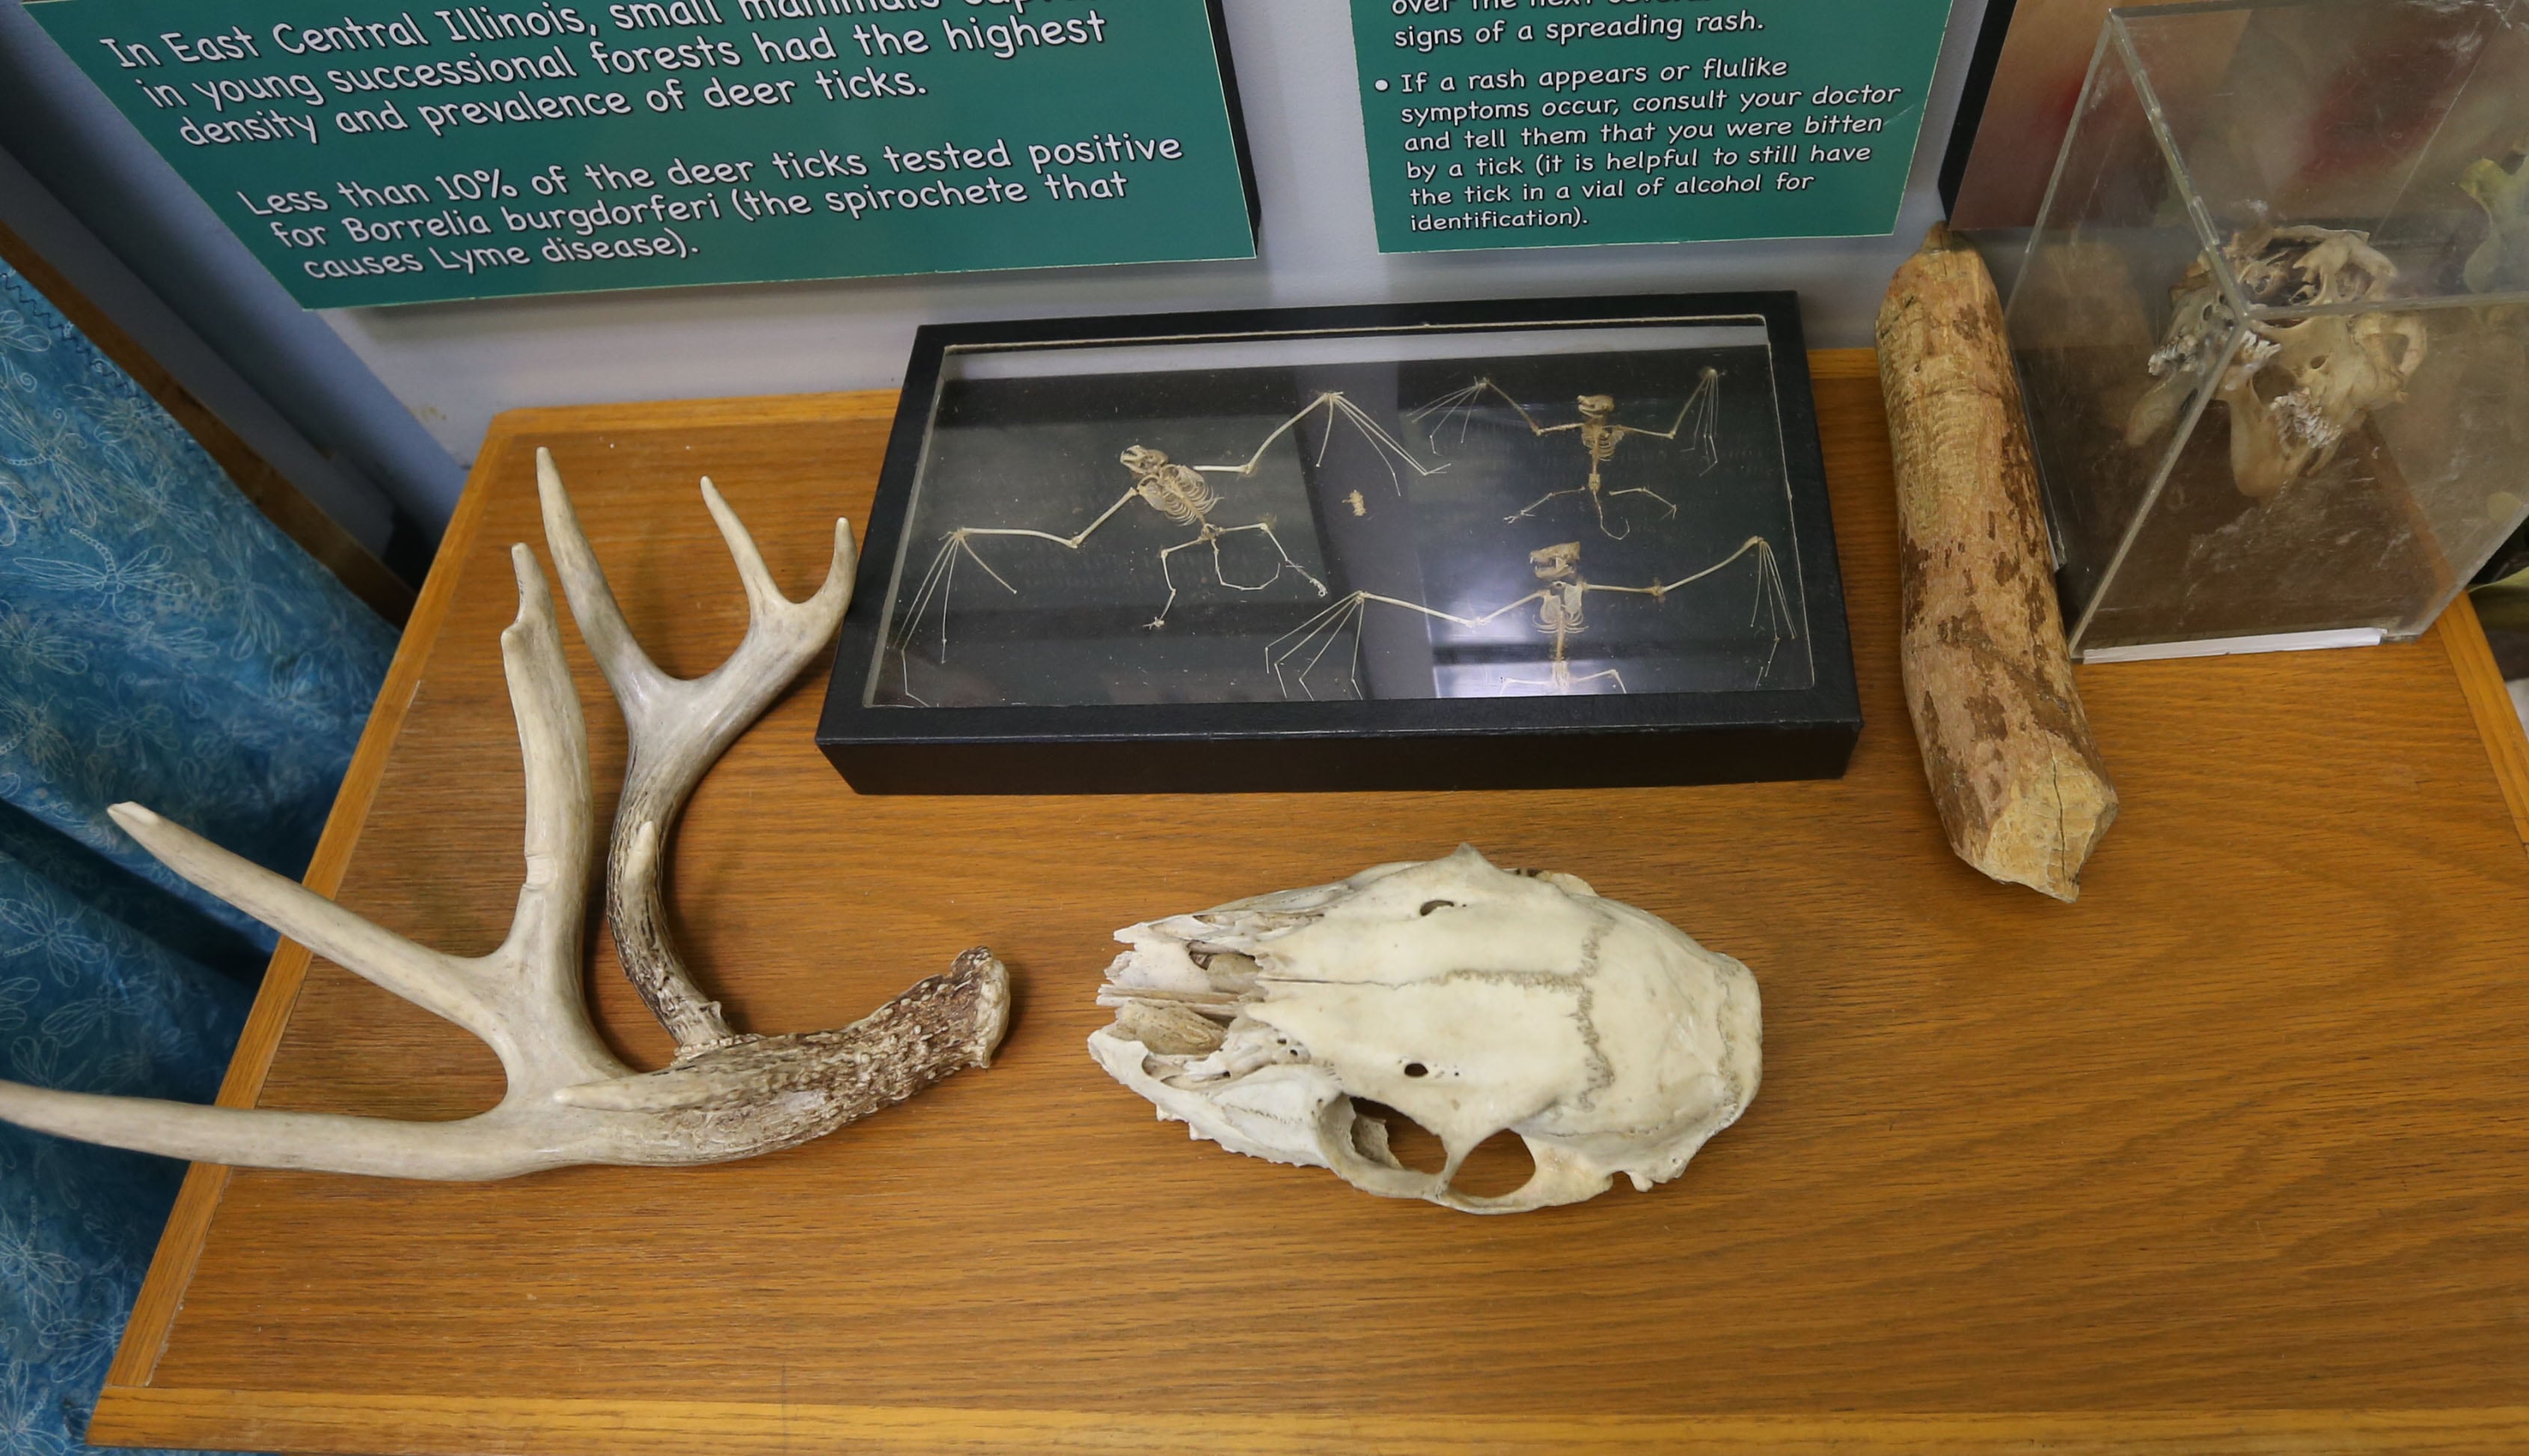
{"points": [[1547, 122], [371, 154]]}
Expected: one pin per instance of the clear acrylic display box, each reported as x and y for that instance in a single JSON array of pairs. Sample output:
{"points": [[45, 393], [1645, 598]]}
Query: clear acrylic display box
{"points": [[2273, 326], [1508, 544]]}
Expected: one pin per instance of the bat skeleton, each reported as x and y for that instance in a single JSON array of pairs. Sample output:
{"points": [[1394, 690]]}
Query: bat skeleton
{"points": [[1179, 492], [1562, 604], [1599, 434]]}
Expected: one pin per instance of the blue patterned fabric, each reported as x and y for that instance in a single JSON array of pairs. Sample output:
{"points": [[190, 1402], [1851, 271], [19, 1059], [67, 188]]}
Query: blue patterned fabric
{"points": [[159, 641]]}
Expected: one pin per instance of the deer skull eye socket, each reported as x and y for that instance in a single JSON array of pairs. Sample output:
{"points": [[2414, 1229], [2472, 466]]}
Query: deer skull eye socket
{"points": [[1602, 1037]]}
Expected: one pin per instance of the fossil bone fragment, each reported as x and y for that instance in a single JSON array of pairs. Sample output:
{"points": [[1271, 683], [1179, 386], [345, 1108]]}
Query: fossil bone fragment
{"points": [[2296, 387], [2007, 752], [1471, 998], [570, 1100]]}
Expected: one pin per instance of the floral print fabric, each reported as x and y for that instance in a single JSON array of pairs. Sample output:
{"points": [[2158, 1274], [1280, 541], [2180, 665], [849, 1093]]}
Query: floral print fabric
{"points": [[160, 642]]}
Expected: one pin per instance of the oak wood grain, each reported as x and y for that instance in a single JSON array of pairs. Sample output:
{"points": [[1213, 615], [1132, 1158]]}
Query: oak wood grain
{"points": [[656, 1427], [2233, 1155]]}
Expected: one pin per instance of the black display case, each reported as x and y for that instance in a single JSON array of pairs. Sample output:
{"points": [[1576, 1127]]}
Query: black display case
{"points": [[1556, 543]]}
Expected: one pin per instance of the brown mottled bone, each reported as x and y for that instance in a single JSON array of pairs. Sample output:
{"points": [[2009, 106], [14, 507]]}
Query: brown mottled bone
{"points": [[2013, 767]]}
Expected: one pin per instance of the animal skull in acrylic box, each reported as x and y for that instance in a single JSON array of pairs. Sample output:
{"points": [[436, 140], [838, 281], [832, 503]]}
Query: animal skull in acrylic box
{"points": [[1472, 999]]}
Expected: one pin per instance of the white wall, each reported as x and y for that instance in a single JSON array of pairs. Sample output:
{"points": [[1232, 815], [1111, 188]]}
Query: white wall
{"points": [[457, 364]]}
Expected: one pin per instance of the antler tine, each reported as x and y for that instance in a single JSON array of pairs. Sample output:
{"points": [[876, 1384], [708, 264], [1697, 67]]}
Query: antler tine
{"points": [[678, 727], [436, 983], [544, 1037], [253, 1137], [628, 670], [522, 999], [570, 1100], [541, 955], [765, 603], [553, 746]]}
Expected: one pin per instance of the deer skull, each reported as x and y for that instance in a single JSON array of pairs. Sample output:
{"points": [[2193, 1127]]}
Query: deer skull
{"points": [[1471, 998]]}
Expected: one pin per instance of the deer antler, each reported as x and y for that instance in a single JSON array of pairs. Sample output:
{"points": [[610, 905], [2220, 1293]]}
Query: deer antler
{"points": [[570, 1100]]}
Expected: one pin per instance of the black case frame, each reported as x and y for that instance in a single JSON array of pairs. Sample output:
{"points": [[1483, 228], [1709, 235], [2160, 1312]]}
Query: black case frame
{"points": [[1589, 740]]}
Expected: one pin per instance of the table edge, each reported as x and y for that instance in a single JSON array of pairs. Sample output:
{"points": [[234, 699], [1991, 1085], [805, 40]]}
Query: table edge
{"points": [[721, 412], [2488, 702], [131, 1411], [285, 1419]]}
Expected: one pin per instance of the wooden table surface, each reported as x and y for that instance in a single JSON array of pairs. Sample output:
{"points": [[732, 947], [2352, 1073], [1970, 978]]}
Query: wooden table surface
{"points": [[2233, 1155]]}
